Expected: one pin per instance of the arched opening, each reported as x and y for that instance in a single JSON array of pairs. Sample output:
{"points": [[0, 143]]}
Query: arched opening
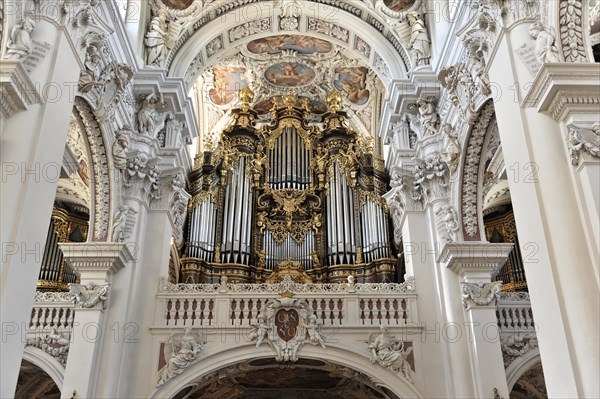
{"points": [[34, 382], [266, 378], [242, 373], [531, 384]]}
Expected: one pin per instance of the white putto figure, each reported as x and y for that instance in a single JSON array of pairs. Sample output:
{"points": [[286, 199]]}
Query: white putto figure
{"points": [[20, 44]]}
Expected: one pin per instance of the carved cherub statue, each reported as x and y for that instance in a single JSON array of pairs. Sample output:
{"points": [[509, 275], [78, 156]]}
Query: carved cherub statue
{"points": [[20, 45]]}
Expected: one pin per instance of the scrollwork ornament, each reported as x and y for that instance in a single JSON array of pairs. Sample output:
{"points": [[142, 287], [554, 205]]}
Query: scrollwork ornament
{"points": [[480, 294], [581, 140], [90, 295], [286, 324]]}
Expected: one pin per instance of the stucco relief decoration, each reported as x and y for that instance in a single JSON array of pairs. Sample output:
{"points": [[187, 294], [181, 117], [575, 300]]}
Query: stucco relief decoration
{"points": [[150, 120], [545, 50], [431, 174], [457, 80], [329, 28], [428, 120], [582, 140], [480, 294], [571, 30], [55, 344], [470, 178], [250, 28], [290, 14], [286, 324], [180, 352], [390, 352], [90, 75], [91, 295], [123, 223], [120, 146], [452, 151], [19, 45], [516, 344], [448, 225], [100, 167]]}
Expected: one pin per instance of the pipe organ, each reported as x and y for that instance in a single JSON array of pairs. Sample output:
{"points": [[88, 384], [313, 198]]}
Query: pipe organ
{"points": [[288, 194], [65, 226]]}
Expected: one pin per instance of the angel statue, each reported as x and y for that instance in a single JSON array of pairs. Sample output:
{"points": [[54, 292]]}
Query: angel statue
{"points": [[389, 352], [428, 117], [19, 45], [315, 336], [181, 350], [150, 121], [545, 50], [260, 330]]}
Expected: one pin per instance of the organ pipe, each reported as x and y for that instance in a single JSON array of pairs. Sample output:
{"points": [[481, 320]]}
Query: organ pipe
{"points": [[289, 191]]}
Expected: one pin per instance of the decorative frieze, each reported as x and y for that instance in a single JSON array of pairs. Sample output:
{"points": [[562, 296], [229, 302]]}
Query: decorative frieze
{"points": [[480, 294], [582, 140], [55, 344], [249, 29], [329, 29], [91, 295], [571, 26], [288, 285], [517, 344]]}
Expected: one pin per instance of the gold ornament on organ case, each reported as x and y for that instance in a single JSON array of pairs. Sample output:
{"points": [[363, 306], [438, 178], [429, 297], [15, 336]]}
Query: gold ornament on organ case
{"points": [[334, 101]]}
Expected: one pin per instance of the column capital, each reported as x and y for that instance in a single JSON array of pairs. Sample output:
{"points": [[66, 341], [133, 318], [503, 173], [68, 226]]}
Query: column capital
{"points": [[475, 262], [96, 260], [564, 88]]}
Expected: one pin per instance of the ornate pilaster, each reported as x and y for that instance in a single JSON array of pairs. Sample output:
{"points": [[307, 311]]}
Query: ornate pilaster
{"points": [[96, 263], [475, 263]]}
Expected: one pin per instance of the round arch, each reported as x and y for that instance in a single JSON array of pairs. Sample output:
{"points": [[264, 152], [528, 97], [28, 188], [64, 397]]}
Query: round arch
{"points": [[101, 177], [520, 365], [47, 363], [472, 163], [216, 361], [192, 56]]}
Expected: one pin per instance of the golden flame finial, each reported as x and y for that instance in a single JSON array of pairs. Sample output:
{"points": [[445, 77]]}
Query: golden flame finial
{"points": [[334, 100], [246, 96]]}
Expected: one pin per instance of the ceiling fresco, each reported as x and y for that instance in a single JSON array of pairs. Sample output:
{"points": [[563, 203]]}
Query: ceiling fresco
{"points": [[398, 5], [227, 81], [308, 66], [301, 44], [178, 4], [353, 82], [289, 74]]}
